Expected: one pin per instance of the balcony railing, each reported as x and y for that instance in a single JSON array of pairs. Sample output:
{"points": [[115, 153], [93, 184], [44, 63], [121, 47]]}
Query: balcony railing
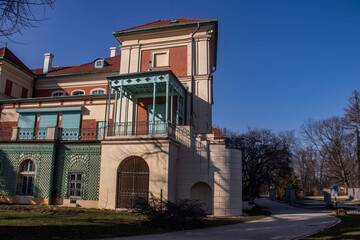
{"points": [[49, 133], [32, 133], [5, 133], [90, 134], [141, 128], [78, 134]]}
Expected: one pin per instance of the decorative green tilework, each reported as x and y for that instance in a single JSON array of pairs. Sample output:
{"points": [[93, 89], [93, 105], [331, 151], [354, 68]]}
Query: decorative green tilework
{"points": [[84, 159], [12, 155]]}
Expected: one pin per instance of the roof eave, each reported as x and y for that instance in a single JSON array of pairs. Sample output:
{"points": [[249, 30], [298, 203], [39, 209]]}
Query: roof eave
{"points": [[69, 74], [31, 74], [168, 26], [68, 97]]}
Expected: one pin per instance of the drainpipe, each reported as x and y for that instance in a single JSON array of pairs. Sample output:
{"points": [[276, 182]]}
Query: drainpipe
{"points": [[213, 70], [192, 76]]}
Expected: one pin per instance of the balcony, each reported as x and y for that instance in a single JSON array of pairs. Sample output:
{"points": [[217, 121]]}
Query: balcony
{"points": [[123, 129], [49, 134], [141, 129]]}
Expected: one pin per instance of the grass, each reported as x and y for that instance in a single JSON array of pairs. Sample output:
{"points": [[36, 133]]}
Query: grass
{"points": [[352, 202], [44, 222], [349, 228]]}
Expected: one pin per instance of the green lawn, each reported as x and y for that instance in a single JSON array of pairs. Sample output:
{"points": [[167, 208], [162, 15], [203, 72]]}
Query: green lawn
{"points": [[353, 202], [43, 222], [349, 228]]}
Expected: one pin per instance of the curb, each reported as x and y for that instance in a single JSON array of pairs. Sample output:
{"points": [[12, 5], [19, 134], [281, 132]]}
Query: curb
{"points": [[338, 220]]}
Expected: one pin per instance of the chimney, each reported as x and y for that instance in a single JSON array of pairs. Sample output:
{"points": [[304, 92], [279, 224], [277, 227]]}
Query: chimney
{"points": [[114, 51], [47, 62]]}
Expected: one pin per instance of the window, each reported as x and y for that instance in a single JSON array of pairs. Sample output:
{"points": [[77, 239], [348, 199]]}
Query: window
{"points": [[24, 93], [100, 63], [8, 87], [26, 125], [70, 125], [26, 178], [75, 185], [58, 93], [160, 58], [77, 92], [98, 91]]}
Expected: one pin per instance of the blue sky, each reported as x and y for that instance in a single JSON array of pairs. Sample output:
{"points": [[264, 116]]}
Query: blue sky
{"points": [[279, 61]]}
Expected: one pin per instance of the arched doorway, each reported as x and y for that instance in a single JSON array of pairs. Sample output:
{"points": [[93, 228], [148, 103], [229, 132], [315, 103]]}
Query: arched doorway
{"points": [[202, 191], [133, 181]]}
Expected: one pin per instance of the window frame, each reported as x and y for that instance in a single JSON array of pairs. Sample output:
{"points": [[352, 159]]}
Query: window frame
{"points": [[101, 60], [75, 188], [58, 91], [26, 172], [158, 52], [98, 89], [77, 90]]}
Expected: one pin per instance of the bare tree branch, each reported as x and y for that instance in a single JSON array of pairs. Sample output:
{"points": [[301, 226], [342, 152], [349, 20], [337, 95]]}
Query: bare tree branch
{"points": [[18, 15]]}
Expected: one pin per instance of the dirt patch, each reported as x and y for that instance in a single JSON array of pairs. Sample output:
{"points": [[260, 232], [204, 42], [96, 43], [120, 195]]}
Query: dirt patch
{"points": [[54, 211]]}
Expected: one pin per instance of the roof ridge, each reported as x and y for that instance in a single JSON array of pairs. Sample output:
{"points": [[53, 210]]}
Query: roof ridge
{"points": [[77, 65]]}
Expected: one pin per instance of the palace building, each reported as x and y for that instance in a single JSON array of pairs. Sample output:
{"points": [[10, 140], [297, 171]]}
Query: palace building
{"points": [[103, 133]]}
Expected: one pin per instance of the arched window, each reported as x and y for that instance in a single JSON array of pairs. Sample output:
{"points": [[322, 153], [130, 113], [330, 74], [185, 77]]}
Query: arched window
{"points": [[78, 92], [98, 91], [58, 93], [26, 178]]}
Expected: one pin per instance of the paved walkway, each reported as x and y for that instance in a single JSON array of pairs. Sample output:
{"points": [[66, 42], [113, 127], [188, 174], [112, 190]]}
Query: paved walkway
{"points": [[286, 222]]}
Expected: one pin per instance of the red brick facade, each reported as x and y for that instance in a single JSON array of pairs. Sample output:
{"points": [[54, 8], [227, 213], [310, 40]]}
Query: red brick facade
{"points": [[177, 60]]}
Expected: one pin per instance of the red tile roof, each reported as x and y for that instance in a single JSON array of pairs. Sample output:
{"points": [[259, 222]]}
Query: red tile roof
{"points": [[113, 64], [218, 132], [8, 55], [165, 23]]}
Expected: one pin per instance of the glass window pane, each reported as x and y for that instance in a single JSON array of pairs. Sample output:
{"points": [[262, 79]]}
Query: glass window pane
{"points": [[24, 168], [31, 166], [75, 184]]}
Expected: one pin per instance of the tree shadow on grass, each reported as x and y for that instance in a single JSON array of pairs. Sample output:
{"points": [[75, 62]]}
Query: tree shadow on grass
{"points": [[349, 228], [104, 230]]}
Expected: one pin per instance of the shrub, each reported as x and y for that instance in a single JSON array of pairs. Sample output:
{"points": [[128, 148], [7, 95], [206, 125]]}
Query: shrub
{"points": [[182, 214]]}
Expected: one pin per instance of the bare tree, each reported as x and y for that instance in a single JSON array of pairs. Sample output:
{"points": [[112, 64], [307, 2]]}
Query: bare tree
{"points": [[352, 121], [17, 15], [311, 169], [265, 159], [334, 146]]}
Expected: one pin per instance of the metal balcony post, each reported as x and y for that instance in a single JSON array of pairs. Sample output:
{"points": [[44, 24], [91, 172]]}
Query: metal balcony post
{"points": [[115, 111], [167, 106], [177, 107], [154, 103], [126, 115], [120, 109], [108, 112], [171, 110]]}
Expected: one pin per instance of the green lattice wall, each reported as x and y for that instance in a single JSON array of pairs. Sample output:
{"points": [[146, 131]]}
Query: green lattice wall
{"points": [[12, 155], [83, 159]]}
